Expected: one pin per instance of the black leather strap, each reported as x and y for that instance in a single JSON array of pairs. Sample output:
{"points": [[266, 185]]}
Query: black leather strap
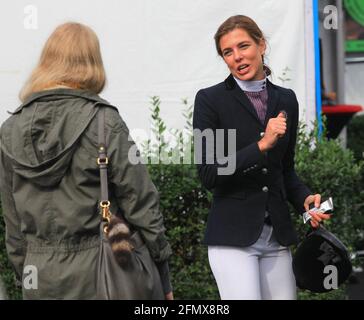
{"points": [[103, 162], [102, 159]]}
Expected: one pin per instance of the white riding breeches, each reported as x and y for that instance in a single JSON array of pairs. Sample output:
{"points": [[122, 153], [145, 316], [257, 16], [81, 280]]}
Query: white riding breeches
{"points": [[262, 271]]}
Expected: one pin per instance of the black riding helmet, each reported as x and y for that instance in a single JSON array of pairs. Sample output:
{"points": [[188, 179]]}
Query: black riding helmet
{"points": [[318, 250]]}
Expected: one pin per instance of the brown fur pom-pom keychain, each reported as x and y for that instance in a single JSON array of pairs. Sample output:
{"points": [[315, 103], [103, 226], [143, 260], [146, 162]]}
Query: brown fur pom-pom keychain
{"points": [[119, 238]]}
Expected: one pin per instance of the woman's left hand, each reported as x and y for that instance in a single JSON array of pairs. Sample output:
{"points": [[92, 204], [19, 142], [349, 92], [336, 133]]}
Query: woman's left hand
{"points": [[317, 217]]}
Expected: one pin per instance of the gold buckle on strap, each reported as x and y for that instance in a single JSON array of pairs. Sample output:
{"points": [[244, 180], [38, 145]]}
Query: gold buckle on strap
{"points": [[105, 205], [102, 161]]}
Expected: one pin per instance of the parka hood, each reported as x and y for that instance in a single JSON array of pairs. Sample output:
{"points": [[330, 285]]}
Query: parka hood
{"points": [[42, 134]]}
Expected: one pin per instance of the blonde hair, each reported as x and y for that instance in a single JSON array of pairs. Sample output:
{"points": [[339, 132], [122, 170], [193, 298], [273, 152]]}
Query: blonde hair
{"points": [[71, 57]]}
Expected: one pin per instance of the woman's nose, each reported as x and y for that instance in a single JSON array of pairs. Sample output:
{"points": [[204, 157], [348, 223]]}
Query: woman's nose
{"points": [[237, 55]]}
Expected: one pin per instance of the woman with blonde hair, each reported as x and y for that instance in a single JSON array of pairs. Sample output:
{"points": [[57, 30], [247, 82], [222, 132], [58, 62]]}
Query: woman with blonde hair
{"points": [[50, 179]]}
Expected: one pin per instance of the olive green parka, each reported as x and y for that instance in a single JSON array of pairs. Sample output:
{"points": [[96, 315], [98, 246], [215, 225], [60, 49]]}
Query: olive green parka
{"points": [[50, 191]]}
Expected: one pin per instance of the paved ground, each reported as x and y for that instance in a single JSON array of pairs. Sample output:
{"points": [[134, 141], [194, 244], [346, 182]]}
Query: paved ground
{"points": [[356, 287], [2, 291]]}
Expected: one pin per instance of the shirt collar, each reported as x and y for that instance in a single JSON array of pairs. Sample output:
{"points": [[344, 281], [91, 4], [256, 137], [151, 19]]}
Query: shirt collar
{"points": [[252, 86]]}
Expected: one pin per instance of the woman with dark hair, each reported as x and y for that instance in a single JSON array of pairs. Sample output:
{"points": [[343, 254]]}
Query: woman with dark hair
{"points": [[249, 226], [50, 179]]}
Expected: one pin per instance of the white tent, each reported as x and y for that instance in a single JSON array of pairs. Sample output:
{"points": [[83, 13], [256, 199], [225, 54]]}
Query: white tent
{"points": [[159, 47]]}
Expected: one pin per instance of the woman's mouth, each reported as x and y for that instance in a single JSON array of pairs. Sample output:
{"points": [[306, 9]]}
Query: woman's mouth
{"points": [[243, 68]]}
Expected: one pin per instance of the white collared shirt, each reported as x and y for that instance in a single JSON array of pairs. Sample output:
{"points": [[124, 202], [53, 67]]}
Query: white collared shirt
{"points": [[252, 86]]}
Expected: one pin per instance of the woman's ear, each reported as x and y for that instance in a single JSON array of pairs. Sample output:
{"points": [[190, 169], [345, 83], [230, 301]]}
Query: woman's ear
{"points": [[262, 46]]}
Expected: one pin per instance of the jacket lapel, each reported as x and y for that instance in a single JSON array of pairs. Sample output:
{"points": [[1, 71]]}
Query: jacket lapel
{"points": [[241, 97], [273, 102]]}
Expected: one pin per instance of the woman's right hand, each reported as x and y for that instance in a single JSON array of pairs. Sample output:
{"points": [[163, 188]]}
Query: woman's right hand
{"points": [[169, 296], [276, 128]]}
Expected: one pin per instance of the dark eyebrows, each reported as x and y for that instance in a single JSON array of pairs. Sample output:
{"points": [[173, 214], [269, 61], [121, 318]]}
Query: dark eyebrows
{"points": [[226, 50], [244, 43]]}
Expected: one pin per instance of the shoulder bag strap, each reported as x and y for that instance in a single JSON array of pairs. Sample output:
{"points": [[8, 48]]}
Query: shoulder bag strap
{"points": [[103, 162]]}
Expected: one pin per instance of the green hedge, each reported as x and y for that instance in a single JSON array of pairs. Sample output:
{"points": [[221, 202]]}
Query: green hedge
{"points": [[329, 169], [323, 165], [356, 136], [332, 171], [184, 204]]}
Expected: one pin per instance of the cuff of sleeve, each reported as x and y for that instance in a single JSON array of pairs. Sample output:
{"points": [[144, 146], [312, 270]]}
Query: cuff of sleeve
{"points": [[250, 156], [301, 206], [163, 269], [159, 249]]}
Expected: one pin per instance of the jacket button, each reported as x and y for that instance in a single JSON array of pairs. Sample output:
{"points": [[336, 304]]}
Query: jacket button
{"points": [[262, 134], [264, 170], [265, 189]]}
